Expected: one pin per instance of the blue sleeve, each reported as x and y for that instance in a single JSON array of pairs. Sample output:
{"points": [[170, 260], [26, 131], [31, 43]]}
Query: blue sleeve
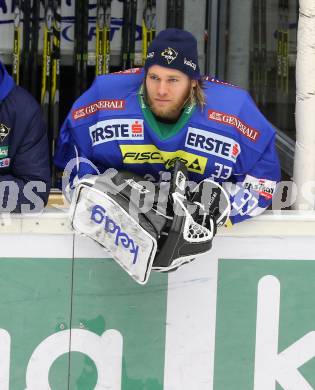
{"points": [[69, 156], [252, 193], [251, 179], [29, 177], [258, 169]]}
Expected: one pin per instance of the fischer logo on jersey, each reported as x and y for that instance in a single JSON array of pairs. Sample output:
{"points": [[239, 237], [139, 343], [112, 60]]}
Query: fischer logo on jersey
{"points": [[234, 121], [212, 143], [99, 105], [264, 187], [140, 154], [113, 130]]}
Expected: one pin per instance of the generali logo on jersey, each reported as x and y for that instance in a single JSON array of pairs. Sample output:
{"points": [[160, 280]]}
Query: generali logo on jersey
{"points": [[99, 105], [114, 130], [234, 121]]}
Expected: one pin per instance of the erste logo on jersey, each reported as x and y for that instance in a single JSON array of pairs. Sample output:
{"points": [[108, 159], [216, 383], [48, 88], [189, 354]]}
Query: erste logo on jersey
{"points": [[264, 187], [114, 130], [99, 105], [212, 143], [140, 154], [234, 121]]}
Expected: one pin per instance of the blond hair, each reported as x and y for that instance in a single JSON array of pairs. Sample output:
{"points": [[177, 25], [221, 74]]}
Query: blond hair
{"points": [[197, 95]]}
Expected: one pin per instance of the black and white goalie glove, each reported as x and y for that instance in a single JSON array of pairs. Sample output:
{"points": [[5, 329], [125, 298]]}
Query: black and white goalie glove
{"points": [[145, 226], [195, 215]]}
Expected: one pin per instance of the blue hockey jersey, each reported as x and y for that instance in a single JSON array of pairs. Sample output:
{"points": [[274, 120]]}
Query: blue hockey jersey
{"points": [[24, 151], [229, 140]]}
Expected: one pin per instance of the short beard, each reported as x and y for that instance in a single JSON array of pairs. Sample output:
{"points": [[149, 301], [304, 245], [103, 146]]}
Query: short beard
{"points": [[166, 113], [171, 113]]}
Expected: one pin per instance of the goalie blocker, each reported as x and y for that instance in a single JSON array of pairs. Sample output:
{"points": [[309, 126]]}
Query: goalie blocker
{"points": [[149, 226]]}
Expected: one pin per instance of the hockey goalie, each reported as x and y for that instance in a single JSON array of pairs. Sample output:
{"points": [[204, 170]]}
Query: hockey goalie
{"points": [[148, 226]]}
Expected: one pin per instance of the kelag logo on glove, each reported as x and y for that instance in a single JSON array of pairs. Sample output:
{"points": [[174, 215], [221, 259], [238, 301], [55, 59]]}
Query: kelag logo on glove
{"points": [[169, 225], [110, 226]]}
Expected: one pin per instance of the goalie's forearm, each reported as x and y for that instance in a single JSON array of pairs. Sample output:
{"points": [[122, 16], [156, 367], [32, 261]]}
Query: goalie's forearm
{"points": [[246, 204]]}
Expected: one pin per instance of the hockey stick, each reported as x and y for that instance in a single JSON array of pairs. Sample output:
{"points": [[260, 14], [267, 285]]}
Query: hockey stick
{"points": [[84, 55], [26, 44], [146, 17], [34, 47], [125, 34], [100, 38], [132, 34], [107, 35], [16, 41], [77, 48], [55, 81], [46, 73]]}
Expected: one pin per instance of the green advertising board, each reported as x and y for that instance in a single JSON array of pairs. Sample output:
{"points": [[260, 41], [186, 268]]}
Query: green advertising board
{"points": [[265, 337], [241, 317], [90, 307]]}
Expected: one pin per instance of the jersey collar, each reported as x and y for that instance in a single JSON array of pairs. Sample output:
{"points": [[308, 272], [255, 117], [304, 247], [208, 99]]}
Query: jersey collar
{"points": [[157, 126]]}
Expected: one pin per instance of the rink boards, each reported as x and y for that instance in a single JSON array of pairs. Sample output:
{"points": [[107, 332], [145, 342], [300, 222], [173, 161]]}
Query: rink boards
{"points": [[242, 316]]}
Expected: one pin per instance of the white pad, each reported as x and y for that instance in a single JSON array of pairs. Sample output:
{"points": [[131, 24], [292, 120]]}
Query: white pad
{"points": [[99, 217]]}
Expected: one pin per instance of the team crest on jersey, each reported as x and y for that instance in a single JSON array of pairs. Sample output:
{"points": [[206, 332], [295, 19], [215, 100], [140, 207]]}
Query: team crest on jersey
{"points": [[5, 162], [116, 130], [169, 54], [4, 131], [4, 151]]}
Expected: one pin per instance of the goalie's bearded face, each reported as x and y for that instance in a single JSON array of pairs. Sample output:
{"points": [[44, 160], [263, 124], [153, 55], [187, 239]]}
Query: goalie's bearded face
{"points": [[167, 91]]}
